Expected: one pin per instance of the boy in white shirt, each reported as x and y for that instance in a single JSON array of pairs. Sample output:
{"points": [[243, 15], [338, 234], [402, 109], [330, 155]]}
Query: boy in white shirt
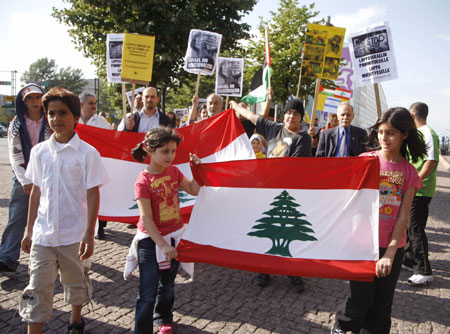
{"points": [[66, 174]]}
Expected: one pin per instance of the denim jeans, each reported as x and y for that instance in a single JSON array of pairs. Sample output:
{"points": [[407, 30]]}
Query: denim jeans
{"points": [[17, 221], [156, 293]]}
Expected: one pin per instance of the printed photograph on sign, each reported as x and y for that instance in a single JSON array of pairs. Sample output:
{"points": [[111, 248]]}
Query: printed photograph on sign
{"points": [[311, 69], [331, 68], [314, 53], [203, 49], [229, 76], [334, 45], [316, 36], [115, 50], [368, 44]]}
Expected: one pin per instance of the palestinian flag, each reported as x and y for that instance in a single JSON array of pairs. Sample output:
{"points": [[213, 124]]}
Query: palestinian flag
{"points": [[258, 86], [313, 217], [219, 138]]}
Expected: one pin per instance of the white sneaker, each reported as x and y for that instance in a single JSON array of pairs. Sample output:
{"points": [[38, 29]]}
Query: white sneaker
{"points": [[419, 279]]}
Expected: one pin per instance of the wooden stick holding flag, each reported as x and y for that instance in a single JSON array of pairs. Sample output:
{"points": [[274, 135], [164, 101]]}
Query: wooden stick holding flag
{"points": [[300, 75], [268, 59]]}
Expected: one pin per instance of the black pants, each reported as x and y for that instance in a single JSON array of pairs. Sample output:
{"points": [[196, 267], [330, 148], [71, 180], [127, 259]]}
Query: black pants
{"points": [[368, 308], [416, 249]]}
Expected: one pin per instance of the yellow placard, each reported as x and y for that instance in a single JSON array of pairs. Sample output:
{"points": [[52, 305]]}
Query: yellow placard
{"points": [[137, 58], [322, 51]]}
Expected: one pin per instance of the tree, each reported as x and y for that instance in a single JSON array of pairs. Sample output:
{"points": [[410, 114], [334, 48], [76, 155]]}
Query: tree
{"points": [[283, 225], [286, 29], [169, 20], [45, 71]]}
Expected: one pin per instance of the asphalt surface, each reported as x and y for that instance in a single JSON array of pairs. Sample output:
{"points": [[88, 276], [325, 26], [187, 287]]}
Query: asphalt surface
{"points": [[222, 300]]}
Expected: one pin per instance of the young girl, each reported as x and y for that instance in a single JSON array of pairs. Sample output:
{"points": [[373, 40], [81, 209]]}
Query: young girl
{"points": [[258, 145], [368, 309], [159, 228]]}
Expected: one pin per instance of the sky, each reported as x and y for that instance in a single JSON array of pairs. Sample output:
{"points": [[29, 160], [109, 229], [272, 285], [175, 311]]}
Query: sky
{"points": [[420, 31]]}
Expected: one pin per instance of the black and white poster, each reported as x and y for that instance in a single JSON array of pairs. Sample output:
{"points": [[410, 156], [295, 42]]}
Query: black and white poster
{"points": [[114, 44], [372, 55], [203, 49], [229, 76]]}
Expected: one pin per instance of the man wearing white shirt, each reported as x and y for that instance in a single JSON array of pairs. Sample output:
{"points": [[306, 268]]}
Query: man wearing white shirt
{"points": [[149, 117], [89, 117], [89, 112]]}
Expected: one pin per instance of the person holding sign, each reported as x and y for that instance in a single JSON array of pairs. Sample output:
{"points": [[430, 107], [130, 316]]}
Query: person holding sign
{"points": [[283, 140], [214, 106], [345, 140], [149, 117]]}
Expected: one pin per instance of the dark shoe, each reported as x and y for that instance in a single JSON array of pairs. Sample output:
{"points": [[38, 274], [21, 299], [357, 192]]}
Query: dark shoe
{"points": [[297, 284], [336, 329], [5, 269], [262, 280], [100, 233], [76, 328], [131, 226]]}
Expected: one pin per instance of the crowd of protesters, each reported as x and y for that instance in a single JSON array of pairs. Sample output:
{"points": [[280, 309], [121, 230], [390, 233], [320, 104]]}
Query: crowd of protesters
{"points": [[53, 168]]}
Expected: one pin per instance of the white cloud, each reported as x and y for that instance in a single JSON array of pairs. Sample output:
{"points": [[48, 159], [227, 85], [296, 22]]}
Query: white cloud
{"points": [[363, 17], [445, 38], [33, 36], [446, 91]]}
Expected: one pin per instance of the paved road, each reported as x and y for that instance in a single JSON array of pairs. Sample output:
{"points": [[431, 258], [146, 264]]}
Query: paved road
{"points": [[222, 300]]}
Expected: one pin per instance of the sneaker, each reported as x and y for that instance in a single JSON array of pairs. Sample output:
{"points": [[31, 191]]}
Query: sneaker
{"points": [[166, 329], [336, 329], [297, 284], [76, 327], [262, 280], [420, 280], [405, 267], [5, 269]]}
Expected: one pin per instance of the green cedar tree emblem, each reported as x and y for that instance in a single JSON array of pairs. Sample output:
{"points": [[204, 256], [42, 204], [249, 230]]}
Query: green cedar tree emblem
{"points": [[283, 225], [184, 196]]}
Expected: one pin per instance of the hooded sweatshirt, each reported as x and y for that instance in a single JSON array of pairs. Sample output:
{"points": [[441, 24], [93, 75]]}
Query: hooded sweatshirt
{"points": [[19, 142]]}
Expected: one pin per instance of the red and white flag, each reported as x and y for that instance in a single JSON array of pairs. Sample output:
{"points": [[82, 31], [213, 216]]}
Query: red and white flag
{"points": [[219, 138], [314, 217]]}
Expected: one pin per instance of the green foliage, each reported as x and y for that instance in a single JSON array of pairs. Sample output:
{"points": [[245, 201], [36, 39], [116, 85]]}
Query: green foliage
{"points": [[45, 71], [169, 20], [286, 31], [283, 225]]}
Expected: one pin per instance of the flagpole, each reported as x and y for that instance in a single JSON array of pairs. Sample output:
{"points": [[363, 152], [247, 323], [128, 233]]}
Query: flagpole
{"points": [[300, 75], [267, 53], [133, 87], [197, 84], [124, 104], [316, 97], [377, 99]]}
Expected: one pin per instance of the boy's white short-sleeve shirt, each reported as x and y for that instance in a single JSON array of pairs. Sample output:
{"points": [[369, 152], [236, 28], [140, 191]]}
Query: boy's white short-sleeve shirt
{"points": [[64, 173]]}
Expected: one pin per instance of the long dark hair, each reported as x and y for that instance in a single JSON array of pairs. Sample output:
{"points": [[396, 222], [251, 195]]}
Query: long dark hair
{"points": [[154, 138], [413, 146]]}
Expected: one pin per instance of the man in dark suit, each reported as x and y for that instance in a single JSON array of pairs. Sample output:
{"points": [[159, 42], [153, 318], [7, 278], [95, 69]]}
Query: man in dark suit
{"points": [[345, 140]]}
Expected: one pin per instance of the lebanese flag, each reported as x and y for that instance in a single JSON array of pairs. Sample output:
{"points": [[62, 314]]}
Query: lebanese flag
{"points": [[314, 217], [219, 138]]}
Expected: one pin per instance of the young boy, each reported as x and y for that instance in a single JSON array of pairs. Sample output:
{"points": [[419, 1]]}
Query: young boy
{"points": [[66, 174]]}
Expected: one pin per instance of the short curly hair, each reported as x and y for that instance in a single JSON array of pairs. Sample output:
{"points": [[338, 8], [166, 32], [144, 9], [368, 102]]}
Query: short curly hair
{"points": [[66, 96]]}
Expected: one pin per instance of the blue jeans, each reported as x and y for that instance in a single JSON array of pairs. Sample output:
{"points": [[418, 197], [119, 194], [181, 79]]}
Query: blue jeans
{"points": [[17, 221], [156, 292]]}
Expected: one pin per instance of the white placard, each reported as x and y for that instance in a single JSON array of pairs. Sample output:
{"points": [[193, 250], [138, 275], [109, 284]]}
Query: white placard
{"points": [[114, 44], [229, 76], [202, 52]]}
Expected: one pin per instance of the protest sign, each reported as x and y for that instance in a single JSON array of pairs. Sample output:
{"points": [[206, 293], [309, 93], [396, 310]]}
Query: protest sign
{"points": [[330, 98], [229, 76], [372, 54], [346, 73], [322, 51], [202, 51], [114, 43], [130, 93], [137, 58]]}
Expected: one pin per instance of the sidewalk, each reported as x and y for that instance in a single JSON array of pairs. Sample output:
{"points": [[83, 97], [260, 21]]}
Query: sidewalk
{"points": [[222, 300]]}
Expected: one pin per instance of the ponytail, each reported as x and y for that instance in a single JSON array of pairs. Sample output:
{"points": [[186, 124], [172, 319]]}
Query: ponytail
{"points": [[138, 153]]}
